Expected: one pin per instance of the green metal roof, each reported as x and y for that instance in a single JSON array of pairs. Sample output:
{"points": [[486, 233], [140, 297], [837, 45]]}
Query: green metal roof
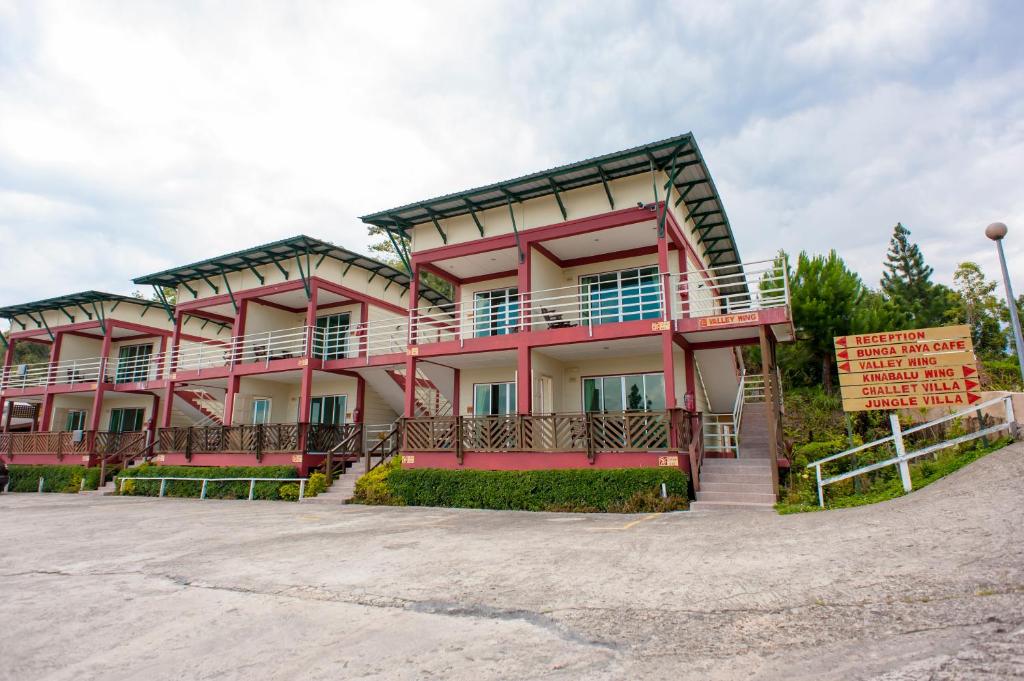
{"points": [[679, 156], [86, 301], [277, 251]]}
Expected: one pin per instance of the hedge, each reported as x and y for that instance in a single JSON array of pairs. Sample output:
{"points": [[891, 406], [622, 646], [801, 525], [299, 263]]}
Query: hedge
{"points": [[214, 490], [626, 490], [67, 479]]}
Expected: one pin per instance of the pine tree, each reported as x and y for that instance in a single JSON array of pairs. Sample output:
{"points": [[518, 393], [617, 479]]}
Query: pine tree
{"points": [[906, 282]]}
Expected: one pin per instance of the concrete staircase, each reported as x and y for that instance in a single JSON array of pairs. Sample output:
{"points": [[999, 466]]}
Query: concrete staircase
{"points": [[745, 482], [106, 490], [340, 492]]}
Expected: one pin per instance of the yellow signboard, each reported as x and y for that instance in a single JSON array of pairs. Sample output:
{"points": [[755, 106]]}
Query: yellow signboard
{"points": [[727, 320], [912, 369], [912, 336]]}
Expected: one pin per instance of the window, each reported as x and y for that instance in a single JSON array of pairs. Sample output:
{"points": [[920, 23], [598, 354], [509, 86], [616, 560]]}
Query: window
{"points": [[125, 420], [260, 410], [635, 392], [332, 336], [75, 420], [624, 296], [328, 410], [496, 313], [494, 398], [133, 363]]}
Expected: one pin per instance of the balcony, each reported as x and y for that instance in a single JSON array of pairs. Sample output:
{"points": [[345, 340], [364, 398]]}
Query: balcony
{"points": [[83, 373], [699, 300]]}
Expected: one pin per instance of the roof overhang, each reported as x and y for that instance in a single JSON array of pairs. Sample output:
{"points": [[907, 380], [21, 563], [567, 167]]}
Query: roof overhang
{"points": [[278, 251], [89, 302], [678, 156]]}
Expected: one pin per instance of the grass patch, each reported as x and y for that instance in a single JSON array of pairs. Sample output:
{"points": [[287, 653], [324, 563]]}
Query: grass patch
{"points": [[887, 485], [61, 479]]}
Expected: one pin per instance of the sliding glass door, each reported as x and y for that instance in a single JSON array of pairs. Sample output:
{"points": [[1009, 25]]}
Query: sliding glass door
{"points": [[491, 399], [133, 363], [623, 296], [332, 336], [496, 313]]}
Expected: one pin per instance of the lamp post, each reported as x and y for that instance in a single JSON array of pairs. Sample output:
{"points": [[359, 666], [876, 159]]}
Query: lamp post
{"points": [[996, 231]]}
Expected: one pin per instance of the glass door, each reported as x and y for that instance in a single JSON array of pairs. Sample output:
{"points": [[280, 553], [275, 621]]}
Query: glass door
{"points": [[496, 313], [623, 296], [332, 334], [492, 399], [635, 392], [261, 410], [125, 420], [133, 363], [328, 410], [75, 420]]}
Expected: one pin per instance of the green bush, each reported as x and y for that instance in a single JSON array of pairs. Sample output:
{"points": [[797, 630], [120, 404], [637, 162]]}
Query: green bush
{"points": [[214, 490], [316, 484], [66, 479], [373, 488], [585, 490]]}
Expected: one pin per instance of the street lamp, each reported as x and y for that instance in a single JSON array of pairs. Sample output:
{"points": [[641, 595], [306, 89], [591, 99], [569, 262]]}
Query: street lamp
{"points": [[996, 231]]}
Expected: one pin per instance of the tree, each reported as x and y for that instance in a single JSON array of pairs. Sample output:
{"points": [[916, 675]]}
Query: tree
{"points": [[906, 281], [830, 300], [385, 251], [977, 305]]}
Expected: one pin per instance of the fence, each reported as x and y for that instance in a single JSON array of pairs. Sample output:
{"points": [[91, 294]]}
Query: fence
{"points": [[898, 443], [119, 481]]}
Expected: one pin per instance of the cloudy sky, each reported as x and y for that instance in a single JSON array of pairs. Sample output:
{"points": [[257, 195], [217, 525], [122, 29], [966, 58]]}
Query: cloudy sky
{"points": [[136, 136]]}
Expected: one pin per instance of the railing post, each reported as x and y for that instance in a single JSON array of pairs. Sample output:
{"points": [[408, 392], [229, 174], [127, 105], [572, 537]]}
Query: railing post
{"points": [[302, 489], [1010, 419], [202, 493], [459, 452], [259, 441], [821, 492], [40, 490], [590, 436], [188, 444], [163, 486], [901, 451], [252, 488]]}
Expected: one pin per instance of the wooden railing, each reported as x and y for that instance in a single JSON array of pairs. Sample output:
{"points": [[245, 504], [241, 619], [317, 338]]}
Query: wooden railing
{"points": [[589, 432], [257, 439], [63, 443]]}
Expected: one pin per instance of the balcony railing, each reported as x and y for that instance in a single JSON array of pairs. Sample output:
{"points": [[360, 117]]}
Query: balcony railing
{"points": [[697, 293], [652, 431], [730, 289]]}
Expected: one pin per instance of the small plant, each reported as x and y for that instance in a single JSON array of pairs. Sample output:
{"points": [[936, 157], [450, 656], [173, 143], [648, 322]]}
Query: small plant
{"points": [[316, 484], [288, 491]]}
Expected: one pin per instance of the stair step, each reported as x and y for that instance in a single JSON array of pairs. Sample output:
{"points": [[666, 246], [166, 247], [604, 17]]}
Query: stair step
{"points": [[740, 478], [749, 497], [733, 464], [761, 487], [727, 506]]}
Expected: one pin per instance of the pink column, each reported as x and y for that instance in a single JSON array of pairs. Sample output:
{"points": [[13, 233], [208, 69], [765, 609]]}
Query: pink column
{"points": [[97, 402], [524, 380], [306, 388]]}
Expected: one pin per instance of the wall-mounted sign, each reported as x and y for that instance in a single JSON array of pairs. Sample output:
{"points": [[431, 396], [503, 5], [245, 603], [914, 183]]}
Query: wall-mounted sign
{"points": [[727, 320], [919, 368]]}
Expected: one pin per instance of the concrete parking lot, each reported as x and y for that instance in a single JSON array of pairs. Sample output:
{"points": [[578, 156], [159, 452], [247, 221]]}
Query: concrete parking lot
{"points": [[930, 586]]}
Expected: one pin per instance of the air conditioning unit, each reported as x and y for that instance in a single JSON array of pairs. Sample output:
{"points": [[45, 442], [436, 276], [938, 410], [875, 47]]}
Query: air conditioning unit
{"points": [[77, 435], [22, 370]]}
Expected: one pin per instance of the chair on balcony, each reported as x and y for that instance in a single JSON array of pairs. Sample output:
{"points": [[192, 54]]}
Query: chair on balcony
{"points": [[555, 320]]}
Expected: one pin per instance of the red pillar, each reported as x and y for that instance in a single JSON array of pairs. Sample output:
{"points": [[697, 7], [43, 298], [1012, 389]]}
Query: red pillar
{"points": [[172, 364], [168, 406], [359, 415], [97, 402], [234, 383], [8, 360], [238, 326], [47, 414], [306, 388], [525, 286], [362, 339], [410, 383], [524, 381], [456, 406], [154, 413]]}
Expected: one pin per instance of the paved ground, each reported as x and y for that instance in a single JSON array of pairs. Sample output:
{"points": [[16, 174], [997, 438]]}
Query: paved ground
{"points": [[925, 587]]}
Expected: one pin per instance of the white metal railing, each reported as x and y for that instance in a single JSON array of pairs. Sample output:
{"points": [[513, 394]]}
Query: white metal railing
{"points": [[261, 346], [583, 305], [40, 374], [135, 369], [728, 289], [382, 336], [720, 433], [903, 457], [119, 481]]}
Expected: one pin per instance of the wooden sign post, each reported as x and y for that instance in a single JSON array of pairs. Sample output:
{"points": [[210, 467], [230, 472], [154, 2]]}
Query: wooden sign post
{"points": [[919, 368]]}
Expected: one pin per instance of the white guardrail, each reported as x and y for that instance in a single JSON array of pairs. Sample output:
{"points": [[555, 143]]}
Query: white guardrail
{"points": [[119, 481], [903, 457]]}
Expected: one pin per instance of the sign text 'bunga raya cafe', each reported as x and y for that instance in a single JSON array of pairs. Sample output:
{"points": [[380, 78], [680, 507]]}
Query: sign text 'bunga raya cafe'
{"points": [[920, 368]]}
